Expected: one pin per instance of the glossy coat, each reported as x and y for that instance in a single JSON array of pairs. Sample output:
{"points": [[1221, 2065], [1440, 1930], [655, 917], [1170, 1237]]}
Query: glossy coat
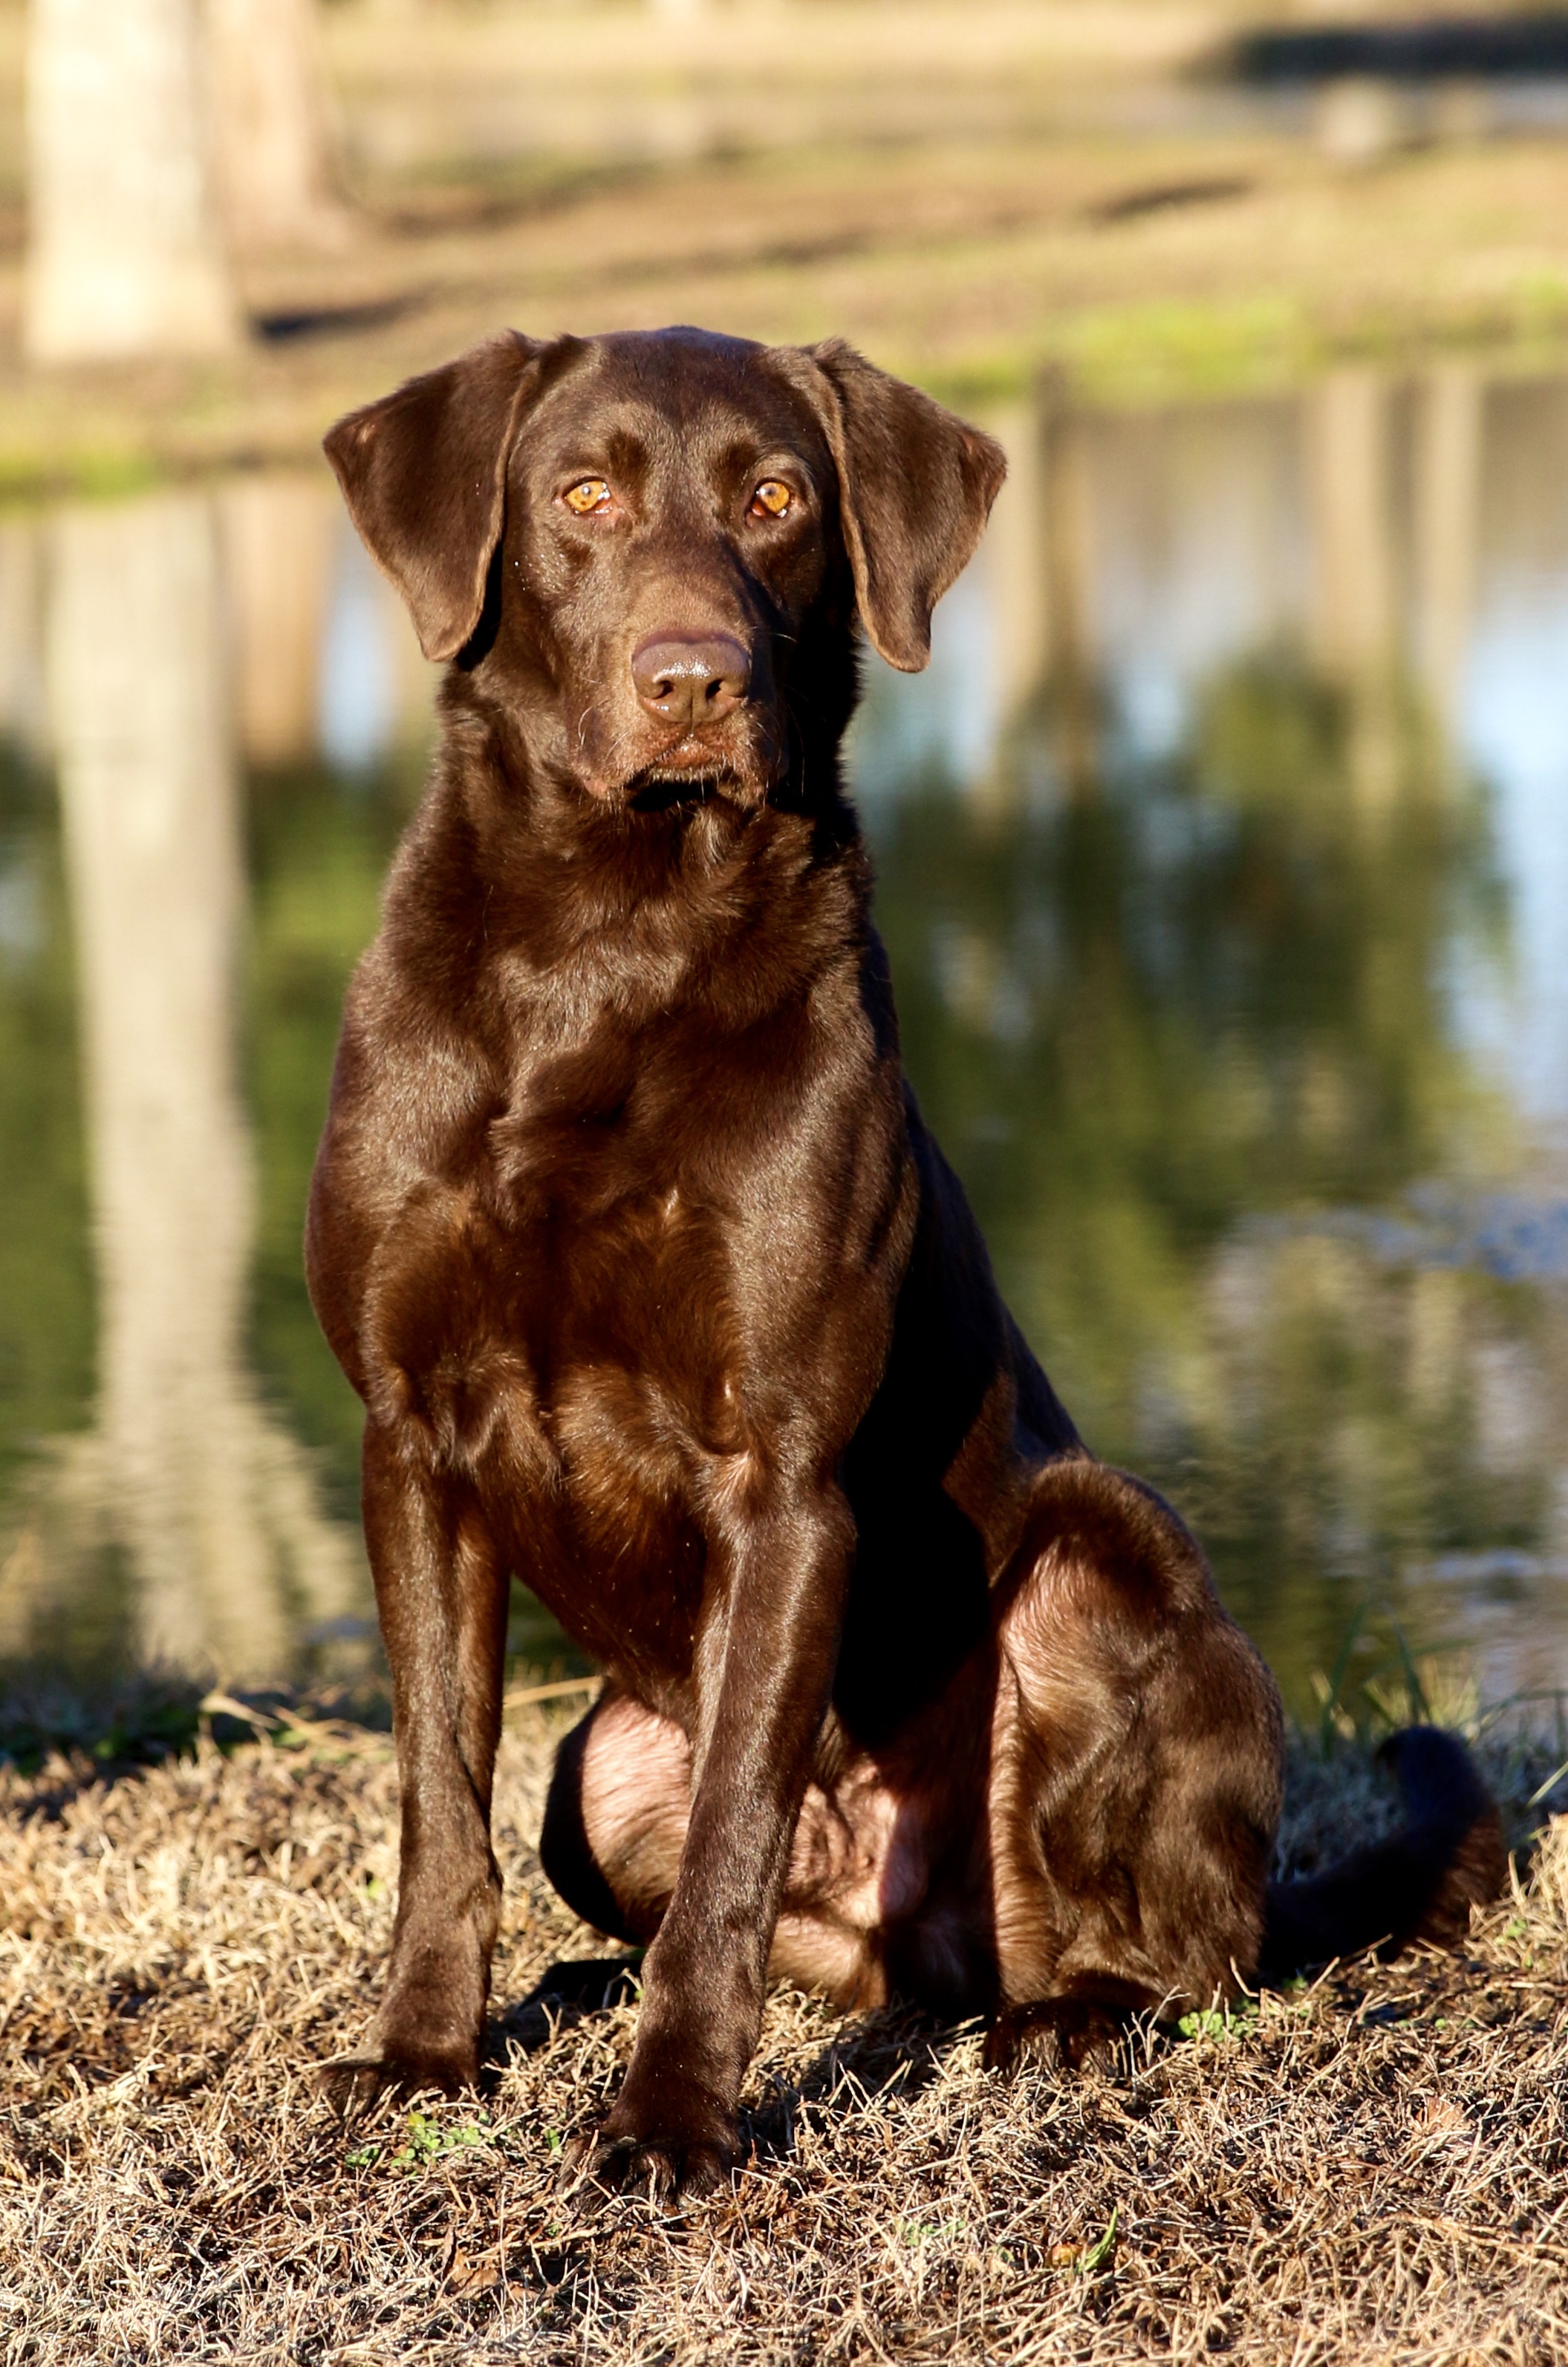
{"points": [[660, 1297]]}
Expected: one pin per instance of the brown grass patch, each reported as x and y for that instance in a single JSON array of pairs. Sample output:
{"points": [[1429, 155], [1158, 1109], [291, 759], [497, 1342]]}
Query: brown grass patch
{"points": [[1370, 2170]]}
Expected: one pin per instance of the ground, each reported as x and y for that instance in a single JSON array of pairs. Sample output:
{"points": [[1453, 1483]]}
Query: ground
{"points": [[1372, 2169], [969, 193]]}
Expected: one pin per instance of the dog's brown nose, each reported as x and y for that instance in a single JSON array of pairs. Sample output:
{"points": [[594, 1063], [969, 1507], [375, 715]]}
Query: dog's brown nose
{"points": [[690, 678]]}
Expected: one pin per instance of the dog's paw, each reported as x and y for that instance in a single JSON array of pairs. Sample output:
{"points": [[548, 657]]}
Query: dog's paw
{"points": [[1060, 2035], [667, 2170], [352, 2083], [675, 2155]]}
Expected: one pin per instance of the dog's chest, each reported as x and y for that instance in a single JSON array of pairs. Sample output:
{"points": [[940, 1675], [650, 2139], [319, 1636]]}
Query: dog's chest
{"points": [[565, 1310]]}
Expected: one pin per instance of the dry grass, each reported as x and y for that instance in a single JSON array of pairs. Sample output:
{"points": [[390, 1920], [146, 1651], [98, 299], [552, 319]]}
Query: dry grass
{"points": [[1370, 2170]]}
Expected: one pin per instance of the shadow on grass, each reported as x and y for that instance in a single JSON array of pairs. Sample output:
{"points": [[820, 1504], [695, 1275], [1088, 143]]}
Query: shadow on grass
{"points": [[893, 2054], [112, 1729], [567, 1994]]}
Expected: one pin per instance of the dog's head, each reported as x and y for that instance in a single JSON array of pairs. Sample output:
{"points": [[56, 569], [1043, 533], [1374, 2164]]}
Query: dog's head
{"points": [[631, 541]]}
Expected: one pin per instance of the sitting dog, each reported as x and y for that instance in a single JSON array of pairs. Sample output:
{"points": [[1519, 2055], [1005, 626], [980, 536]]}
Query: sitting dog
{"points": [[660, 1297]]}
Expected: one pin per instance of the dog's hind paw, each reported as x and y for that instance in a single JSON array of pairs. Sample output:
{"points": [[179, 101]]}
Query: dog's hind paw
{"points": [[1077, 2030], [351, 2084], [1064, 2034]]}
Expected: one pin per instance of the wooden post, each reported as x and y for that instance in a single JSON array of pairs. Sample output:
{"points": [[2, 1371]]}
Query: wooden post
{"points": [[1448, 517]]}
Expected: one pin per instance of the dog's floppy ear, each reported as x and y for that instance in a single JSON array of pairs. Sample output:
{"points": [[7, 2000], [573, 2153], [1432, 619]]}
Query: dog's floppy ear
{"points": [[916, 487], [423, 474]]}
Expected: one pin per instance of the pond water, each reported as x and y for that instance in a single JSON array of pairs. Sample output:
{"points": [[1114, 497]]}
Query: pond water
{"points": [[1223, 861]]}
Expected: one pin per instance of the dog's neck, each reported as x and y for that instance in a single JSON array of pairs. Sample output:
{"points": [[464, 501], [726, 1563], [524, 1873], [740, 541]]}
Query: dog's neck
{"points": [[654, 901]]}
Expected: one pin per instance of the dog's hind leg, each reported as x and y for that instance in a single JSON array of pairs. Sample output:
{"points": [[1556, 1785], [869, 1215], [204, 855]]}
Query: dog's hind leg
{"points": [[616, 1817], [615, 1823], [1135, 1772]]}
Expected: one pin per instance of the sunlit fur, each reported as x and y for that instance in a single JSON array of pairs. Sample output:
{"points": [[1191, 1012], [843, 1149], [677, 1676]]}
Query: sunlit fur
{"points": [[660, 1297]]}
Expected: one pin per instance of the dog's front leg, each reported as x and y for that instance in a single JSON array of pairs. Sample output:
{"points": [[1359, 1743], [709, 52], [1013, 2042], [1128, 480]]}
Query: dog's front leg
{"points": [[441, 1595], [773, 1617]]}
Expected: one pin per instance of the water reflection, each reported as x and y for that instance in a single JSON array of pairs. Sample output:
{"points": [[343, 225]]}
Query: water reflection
{"points": [[1223, 853], [185, 1485], [277, 535], [1223, 940]]}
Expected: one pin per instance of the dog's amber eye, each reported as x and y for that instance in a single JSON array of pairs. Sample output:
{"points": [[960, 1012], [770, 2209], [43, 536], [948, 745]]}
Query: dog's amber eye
{"points": [[771, 499], [592, 493]]}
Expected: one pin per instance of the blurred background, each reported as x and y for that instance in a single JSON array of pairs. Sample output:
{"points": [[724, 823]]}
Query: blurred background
{"points": [[1223, 852]]}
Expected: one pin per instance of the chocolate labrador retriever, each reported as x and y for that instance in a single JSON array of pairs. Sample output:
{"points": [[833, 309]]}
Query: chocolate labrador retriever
{"points": [[660, 1297]]}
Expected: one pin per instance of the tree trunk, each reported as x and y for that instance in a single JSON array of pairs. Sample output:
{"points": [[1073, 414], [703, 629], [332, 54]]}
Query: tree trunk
{"points": [[125, 254], [273, 153]]}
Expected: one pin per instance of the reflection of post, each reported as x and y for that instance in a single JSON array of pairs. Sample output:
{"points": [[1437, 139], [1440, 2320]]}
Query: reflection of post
{"points": [[207, 1498], [376, 688], [22, 714], [1011, 573], [279, 537], [1353, 606], [1068, 507], [1447, 505]]}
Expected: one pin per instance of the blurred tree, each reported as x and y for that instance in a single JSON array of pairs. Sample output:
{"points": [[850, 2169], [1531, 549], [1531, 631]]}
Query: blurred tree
{"points": [[272, 153], [164, 136], [125, 254]]}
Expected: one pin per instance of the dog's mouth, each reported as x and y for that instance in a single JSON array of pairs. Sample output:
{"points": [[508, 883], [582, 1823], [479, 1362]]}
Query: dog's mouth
{"points": [[740, 767], [692, 759], [661, 784]]}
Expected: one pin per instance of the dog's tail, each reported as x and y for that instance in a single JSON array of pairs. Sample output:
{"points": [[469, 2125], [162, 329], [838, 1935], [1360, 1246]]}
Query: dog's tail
{"points": [[1420, 1884]]}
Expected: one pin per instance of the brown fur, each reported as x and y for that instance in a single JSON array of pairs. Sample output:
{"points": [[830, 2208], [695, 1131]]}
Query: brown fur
{"points": [[659, 1297]]}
